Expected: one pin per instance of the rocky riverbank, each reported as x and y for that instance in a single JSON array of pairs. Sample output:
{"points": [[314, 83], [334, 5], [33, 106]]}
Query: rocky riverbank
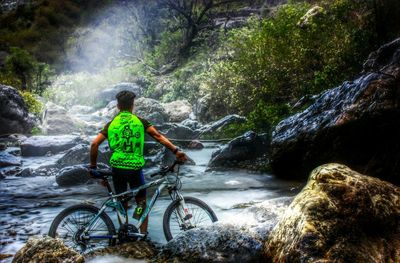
{"points": [[340, 215], [357, 123]]}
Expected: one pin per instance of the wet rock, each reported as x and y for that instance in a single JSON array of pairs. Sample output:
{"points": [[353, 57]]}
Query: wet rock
{"points": [[246, 147], [12, 140], [79, 154], [202, 109], [109, 94], [151, 148], [192, 124], [109, 112], [4, 256], [339, 216], [80, 109], [10, 170], [178, 110], [27, 172], [150, 109], [73, 175], [220, 124], [46, 249], [47, 170], [166, 157], [3, 146], [14, 114], [178, 131], [16, 151], [357, 124], [41, 145], [217, 243], [135, 250], [7, 159], [57, 121], [195, 145]]}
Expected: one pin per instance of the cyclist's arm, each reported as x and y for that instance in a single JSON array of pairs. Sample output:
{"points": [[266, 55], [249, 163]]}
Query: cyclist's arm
{"points": [[152, 131], [94, 149]]}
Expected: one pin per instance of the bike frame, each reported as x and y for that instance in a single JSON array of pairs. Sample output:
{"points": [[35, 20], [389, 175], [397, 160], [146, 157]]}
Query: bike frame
{"points": [[113, 202]]}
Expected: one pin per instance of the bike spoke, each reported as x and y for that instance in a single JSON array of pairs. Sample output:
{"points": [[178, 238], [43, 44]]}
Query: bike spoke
{"points": [[70, 227], [200, 217]]}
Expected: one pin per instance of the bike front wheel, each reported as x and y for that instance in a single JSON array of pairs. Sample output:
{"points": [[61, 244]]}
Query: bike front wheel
{"points": [[70, 224], [175, 221]]}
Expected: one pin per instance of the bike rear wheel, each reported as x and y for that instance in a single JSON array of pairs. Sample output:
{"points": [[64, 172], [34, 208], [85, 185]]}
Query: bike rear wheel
{"points": [[201, 215], [70, 223]]}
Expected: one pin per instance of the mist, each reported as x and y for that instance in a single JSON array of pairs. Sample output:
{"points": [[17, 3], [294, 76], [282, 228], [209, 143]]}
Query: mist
{"points": [[111, 40]]}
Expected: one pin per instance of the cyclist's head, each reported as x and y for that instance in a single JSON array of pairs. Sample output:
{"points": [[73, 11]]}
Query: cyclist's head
{"points": [[125, 100]]}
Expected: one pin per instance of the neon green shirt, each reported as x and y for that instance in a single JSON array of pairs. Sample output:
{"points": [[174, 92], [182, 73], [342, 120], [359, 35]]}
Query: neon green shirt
{"points": [[126, 139]]}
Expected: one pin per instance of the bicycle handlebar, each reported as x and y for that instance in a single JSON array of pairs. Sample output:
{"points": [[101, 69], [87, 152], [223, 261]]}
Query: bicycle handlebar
{"points": [[101, 174], [166, 169]]}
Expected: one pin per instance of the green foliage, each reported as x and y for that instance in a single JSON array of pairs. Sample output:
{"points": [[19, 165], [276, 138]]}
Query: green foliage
{"points": [[22, 64], [24, 72], [34, 105], [275, 61], [42, 28], [228, 132], [166, 52], [36, 131]]}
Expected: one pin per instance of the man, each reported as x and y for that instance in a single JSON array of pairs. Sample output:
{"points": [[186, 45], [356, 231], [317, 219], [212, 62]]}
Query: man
{"points": [[125, 134]]}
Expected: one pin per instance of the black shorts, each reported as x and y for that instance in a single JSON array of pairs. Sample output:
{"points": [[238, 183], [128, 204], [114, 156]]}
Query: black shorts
{"points": [[123, 177]]}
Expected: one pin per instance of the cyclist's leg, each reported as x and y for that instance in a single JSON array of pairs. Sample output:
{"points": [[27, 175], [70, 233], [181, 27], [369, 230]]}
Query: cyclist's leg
{"points": [[136, 180], [120, 183]]}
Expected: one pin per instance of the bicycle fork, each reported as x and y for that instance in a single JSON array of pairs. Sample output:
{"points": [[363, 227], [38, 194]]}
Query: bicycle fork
{"points": [[184, 213]]}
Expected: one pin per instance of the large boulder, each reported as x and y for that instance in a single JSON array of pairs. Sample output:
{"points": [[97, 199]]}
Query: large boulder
{"points": [[72, 175], [7, 159], [108, 112], [41, 145], [247, 147], [46, 249], [339, 216], [357, 123], [178, 110], [14, 115], [109, 94], [218, 243], [202, 109], [151, 109], [133, 250], [179, 131], [220, 124], [79, 154], [192, 124], [56, 120]]}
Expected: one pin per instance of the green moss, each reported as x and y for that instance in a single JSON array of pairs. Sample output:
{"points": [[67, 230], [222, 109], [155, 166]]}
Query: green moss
{"points": [[33, 104], [36, 131]]}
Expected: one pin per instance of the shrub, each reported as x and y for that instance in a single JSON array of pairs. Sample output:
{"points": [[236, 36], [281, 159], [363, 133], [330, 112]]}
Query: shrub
{"points": [[273, 62], [34, 105]]}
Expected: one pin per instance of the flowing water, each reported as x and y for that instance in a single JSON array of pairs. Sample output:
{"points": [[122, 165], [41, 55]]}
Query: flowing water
{"points": [[28, 205]]}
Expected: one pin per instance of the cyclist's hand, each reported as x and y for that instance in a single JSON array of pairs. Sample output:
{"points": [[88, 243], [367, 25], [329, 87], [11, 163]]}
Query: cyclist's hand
{"points": [[181, 156]]}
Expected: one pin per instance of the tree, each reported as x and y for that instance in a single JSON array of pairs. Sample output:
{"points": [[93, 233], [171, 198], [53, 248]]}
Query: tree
{"points": [[20, 63], [193, 15]]}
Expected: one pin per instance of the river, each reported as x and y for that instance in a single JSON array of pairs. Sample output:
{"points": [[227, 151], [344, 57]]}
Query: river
{"points": [[28, 205]]}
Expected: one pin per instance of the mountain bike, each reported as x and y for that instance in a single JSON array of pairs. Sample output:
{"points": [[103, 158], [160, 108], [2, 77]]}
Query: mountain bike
{"points": [[85, 227]]}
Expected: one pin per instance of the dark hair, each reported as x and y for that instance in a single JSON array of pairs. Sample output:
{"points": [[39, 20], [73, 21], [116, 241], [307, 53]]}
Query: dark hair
{"points": [[125, 99]]}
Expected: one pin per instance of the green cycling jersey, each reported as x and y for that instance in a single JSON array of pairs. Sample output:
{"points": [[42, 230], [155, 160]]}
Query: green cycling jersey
{"points": [[126, 140]]}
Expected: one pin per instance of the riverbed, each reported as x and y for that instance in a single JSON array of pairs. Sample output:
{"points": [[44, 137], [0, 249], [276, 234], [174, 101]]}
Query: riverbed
{"points": [[29, 204]]}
